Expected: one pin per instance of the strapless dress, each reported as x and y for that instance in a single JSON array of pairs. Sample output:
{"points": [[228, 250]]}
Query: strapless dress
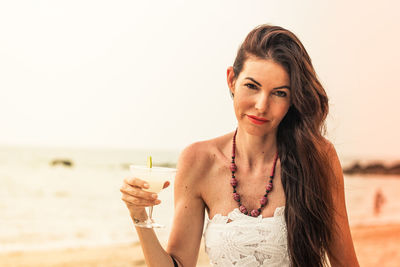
{"points": [[241, 240]]}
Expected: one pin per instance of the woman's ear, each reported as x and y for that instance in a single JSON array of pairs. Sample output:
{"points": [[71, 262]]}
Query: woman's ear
{"points": [[231, 79]]}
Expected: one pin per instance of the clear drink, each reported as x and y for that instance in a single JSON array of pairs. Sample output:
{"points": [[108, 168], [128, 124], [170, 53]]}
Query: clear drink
{"points": [[156, 178], [154, 186]]}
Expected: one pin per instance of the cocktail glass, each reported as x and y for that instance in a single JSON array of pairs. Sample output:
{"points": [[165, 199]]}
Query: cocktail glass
{"points": [[156, 178]]}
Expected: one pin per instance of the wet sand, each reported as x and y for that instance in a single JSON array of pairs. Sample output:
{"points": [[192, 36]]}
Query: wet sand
{"points": [[375, 246], [107, 256]]}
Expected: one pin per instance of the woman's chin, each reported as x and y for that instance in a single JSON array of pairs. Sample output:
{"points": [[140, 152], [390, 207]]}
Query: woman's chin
{"points": [[257, 130]]}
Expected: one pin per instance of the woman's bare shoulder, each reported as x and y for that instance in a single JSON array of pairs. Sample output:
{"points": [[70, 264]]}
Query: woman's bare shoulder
{"points": [[329, 149], [196, 163], [200, 153], [327, 145]]}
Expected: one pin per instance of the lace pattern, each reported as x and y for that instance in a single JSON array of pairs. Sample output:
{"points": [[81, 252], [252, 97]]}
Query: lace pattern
{"points": [[241, 240]]}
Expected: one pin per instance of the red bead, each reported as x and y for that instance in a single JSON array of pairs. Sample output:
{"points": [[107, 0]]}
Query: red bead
{"points": [[263, 201], [234, 182], [236, 196], [255, 213], [269, 187], [233, 167], [243, 209]]}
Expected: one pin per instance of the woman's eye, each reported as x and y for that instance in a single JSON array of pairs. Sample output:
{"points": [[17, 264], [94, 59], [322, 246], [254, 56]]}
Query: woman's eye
{"points": [[250, 86], [280, 93]]}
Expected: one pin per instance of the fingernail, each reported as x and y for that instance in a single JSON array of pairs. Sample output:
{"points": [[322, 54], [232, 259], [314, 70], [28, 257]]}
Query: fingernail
{"points": [[146, 185], [154, 196]]}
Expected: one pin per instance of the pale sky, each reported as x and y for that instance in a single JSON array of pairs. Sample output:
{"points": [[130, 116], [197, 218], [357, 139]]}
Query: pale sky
{"points": [[151, 74]]}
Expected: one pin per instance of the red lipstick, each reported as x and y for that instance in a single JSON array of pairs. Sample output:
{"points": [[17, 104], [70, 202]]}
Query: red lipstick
{"points": [[257, 120]]}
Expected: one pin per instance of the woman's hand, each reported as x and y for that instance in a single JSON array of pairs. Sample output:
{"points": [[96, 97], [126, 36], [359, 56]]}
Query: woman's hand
{"points": [[136, 198]]}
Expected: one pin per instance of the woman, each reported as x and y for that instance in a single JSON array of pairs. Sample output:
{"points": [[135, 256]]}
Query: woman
{"points": [[273, 189]]}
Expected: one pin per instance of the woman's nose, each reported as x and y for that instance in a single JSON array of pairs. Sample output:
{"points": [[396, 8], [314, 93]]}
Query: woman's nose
{"points": [[262, 103]]}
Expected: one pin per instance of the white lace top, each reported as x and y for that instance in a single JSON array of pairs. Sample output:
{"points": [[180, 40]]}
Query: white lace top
{"points": [[241, 240]]}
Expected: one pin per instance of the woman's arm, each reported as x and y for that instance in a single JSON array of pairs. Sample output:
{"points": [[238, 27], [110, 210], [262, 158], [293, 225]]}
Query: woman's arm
{"points": [[188, 220], [342, 251], [187, 229]]}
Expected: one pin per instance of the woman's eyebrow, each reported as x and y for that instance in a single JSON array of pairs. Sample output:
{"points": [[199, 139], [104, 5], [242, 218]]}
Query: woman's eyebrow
{"points": [[254, 81], [259, 84], [281, 87]]}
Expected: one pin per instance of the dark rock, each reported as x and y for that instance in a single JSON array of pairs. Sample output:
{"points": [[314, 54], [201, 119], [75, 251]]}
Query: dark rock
{"points": [[375, 168], [395, 169], [62, 162], [372, 168], [356, 168]]}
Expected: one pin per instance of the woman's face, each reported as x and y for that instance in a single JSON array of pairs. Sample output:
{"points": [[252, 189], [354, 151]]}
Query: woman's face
{"points": [[261, 95]]}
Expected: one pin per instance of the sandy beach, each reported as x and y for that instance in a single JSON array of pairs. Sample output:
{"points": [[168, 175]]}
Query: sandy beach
{"points": [[375, 246]]}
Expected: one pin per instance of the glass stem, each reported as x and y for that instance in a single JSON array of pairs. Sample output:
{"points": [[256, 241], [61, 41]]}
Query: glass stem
{"points": [[151, 213]]}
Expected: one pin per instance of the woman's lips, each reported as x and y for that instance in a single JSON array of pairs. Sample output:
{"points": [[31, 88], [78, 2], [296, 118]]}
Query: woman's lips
{"points": [[257, 120]]}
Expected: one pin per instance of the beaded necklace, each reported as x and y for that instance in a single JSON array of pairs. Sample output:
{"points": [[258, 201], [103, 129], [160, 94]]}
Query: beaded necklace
{"points": [[234, 183]]}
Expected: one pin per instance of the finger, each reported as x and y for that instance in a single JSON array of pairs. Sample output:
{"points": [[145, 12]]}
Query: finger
{"points": [[166, 184], [133, 181], [137, 192], [139, 202]]}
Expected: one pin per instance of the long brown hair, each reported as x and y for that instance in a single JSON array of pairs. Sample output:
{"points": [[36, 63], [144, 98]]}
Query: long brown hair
{"points": [[305, 165]]}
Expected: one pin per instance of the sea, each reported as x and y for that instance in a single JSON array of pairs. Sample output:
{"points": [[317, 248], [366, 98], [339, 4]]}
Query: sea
{"points": [[45, 204]]}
